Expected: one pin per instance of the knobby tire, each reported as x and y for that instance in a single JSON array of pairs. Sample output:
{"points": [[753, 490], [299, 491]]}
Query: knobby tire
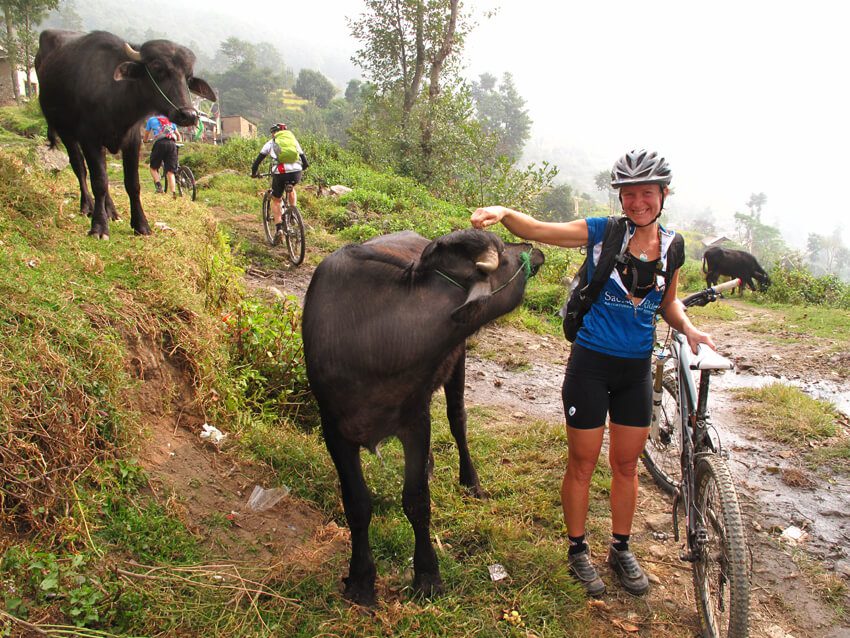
{"points": [[186, 182], [268, 220], [662, 457], [721, 579], [294, 226]]}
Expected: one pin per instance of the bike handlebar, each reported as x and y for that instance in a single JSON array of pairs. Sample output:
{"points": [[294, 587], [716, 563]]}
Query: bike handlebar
{"points": [[708, 295], [729, 285]]}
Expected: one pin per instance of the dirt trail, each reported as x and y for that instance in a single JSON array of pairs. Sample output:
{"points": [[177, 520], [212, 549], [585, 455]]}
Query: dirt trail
{"points": [[521, 374]]}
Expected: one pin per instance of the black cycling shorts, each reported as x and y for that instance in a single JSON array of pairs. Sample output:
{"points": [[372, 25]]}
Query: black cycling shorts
{"points": [[164, 151], [597, 384], [280, 179]]}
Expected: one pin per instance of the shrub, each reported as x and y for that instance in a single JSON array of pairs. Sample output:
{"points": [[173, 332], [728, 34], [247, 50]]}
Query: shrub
{"points": [[545, 298], [268, 356], [799, 286]]}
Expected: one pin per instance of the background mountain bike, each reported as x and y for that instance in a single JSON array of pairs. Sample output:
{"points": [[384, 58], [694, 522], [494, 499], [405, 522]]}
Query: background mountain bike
{"points": [[184, 179], [684, 455], [293, 225]]}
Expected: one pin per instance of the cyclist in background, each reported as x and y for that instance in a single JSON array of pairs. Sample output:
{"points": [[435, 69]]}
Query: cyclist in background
{"points": [[288, 160], [165, 136]]}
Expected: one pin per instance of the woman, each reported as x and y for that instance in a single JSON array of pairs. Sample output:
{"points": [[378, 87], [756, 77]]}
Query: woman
{"points": [[608, 371]]}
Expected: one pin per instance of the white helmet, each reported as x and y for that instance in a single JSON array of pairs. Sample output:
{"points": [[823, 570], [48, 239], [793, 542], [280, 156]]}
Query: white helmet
{"points": [[641, 167]]}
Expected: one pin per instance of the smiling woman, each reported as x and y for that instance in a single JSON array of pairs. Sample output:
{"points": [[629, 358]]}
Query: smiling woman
{"points": [[608, 373]]}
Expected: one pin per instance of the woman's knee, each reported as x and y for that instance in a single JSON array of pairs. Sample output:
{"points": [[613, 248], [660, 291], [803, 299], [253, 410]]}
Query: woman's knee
{"points": [[624, 467]]}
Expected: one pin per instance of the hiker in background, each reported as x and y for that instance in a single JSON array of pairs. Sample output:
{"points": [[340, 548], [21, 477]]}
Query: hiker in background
{"points": [[288, 160], [165, 137], [608, 372]]}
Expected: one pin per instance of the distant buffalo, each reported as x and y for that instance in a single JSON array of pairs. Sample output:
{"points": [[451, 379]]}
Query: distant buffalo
{"points": [[95, 89], [385, 325], [718, 261]]}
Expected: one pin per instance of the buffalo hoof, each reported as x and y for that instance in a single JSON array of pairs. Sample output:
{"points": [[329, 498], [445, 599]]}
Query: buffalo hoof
{"points": [[427, 585], [476, 491], [142, 230], [359, 593], [99, 235]]}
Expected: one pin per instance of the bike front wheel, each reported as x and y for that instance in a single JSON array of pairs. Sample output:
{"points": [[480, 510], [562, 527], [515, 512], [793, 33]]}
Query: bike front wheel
{"points": [[294, 226], [663, 450], [185, 182], [268, 220], [721, 578]]}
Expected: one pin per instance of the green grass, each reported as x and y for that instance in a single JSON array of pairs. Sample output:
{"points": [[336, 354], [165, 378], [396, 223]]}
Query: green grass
{"points": [[801, 323], [786, 414]]}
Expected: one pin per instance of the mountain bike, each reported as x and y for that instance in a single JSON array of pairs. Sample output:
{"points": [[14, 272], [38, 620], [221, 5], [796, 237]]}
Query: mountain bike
{"points": [[685, 458], [184, 179], [293, 225]]}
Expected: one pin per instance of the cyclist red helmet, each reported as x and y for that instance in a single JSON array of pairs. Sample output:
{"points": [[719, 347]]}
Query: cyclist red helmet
{"points": [[280, 126], [641, 167]]}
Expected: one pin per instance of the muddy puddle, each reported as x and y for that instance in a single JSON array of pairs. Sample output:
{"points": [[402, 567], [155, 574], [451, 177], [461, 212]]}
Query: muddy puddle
{"points": [[772, 476], [836, 393]]}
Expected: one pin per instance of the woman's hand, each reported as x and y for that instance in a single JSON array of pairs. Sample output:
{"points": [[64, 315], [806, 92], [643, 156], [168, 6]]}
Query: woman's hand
{"points": [[488, 216], [696, 337]]}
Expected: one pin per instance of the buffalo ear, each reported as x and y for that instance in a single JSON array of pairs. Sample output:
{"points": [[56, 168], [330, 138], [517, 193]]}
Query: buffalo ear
{"points": [[479, 296], [128, 71], [200, 87]]}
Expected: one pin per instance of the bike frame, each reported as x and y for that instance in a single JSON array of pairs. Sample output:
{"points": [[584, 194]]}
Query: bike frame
{"points": [[695, 426]]}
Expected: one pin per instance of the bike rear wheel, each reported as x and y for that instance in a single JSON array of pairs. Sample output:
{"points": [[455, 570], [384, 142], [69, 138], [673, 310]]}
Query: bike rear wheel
{"points": [[721, 579], [185, 182], [294, 226], [268, 220], [662, 452]]}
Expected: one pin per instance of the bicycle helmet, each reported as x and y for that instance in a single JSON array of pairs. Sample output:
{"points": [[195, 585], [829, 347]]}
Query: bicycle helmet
{"points": [[641, 167], [280, 126]]}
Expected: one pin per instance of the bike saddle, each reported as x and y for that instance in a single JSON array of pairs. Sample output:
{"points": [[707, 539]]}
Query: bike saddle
{"points": [[708, 359]]}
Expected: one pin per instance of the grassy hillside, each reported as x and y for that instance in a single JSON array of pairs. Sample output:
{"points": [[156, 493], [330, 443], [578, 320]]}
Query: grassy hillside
{"points": [[107, 346]]}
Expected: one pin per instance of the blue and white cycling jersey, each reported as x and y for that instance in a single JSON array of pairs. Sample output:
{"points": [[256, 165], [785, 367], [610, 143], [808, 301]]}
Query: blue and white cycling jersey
{"points": [[614, 325]]}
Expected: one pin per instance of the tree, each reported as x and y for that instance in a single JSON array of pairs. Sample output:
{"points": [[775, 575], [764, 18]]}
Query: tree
{"points": [[755, 203], [22, 17], [312, 85], [501, 113], [244, 87], [354, 92], [827, 254], [603, 183], [558, 204], [764, 241], [403, 42]]}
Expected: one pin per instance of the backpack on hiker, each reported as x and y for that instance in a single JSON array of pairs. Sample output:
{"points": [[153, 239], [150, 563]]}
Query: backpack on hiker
{"points": [[615, 242], [286, 147]]}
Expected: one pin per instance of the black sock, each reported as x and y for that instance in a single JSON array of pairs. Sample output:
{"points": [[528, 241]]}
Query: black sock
{"points": [[620, 542], [577, 545]]}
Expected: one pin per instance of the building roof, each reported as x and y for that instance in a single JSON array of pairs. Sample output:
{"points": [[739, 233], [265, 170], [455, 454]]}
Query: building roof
{"points": [[714, 241]]}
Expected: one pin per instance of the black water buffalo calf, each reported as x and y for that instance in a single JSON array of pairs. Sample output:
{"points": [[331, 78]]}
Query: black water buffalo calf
{"points": [[385, 325], [718, 261], [95, 89]]}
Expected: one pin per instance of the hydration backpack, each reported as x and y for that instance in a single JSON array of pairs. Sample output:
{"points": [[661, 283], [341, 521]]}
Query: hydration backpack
{"points": [[286, 147], [166, 128], [615, 242]]}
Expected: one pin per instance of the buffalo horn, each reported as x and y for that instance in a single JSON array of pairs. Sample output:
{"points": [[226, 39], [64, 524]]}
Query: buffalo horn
{"points": [[134, 55], [489, 261]]}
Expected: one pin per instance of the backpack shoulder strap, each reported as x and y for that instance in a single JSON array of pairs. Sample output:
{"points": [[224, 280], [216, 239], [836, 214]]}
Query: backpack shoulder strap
{"points": [[675, 258], [614, 246]]}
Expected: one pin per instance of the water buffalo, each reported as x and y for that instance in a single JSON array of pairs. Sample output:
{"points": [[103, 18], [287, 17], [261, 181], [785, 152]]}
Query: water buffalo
{"points": [[385, 325], [718, 261], [94, 90]]}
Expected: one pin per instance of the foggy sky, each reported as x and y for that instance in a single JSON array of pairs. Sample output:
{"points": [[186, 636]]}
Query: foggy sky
{"points": [[741, 97]]}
